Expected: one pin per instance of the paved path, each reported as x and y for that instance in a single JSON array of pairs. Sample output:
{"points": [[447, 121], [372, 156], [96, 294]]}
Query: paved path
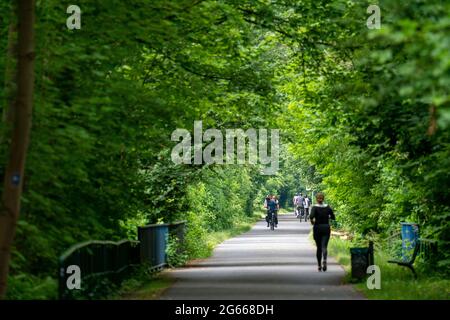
{"points": [[262, 264]]}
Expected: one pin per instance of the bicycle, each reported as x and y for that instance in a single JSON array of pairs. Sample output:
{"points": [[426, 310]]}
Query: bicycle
{"points": [[302, 214], [306, 214], [297, 211], [272, 220]]}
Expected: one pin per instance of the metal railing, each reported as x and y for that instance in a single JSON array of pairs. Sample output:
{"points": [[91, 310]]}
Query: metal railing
{"points": [[96, 259], [427, 247], [105, 261], [154, 239]]}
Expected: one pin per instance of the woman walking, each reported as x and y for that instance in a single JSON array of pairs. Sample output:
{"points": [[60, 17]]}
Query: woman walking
{"points": [[320, 217]]}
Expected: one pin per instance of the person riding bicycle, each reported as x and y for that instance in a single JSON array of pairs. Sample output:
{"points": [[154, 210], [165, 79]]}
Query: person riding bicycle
{"points": [[306, 205], [295, 201], [272, 206], [300, 205]]}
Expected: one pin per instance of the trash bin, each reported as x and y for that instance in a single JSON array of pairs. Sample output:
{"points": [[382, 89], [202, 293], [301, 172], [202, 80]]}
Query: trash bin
{"points": [[153, 239], [360, 262], [410, 236], [361, 259]]}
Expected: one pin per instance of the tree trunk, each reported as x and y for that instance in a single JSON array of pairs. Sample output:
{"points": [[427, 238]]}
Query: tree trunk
{"points": [[13, 184], [10, 74], [432, 127], [10, 78]]}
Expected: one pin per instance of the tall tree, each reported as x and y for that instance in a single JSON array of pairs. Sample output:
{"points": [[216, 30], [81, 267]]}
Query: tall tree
{"points": [[13, 183]]}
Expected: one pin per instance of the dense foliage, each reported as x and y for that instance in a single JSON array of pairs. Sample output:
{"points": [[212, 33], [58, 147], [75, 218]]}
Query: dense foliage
{"points": [[364, 114], [375, 127]]}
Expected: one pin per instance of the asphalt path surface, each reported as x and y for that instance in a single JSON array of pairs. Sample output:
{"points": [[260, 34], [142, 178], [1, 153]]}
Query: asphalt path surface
{"points": [[262, 264]]}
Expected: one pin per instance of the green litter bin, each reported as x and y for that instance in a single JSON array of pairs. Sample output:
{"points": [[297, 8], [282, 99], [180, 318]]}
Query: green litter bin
{"points": [[361, 259]]}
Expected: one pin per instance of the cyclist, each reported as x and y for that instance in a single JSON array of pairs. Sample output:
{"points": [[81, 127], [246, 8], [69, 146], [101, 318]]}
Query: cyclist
{"points": [[273, 206], [320, 217], [300, 206], [295, 201], [306, 205]]}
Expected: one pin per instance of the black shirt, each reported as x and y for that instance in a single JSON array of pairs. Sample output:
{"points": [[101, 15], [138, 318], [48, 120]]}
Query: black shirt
{"points": [[322, 214]]}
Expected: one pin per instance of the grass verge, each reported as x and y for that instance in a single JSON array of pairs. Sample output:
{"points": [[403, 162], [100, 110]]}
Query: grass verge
{"points": [[397, 283], [215, 238], [144, 287]]}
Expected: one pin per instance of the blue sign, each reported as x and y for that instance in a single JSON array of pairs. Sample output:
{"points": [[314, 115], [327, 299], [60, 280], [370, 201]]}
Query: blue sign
{"points": [[15, 179], [410, 236]]}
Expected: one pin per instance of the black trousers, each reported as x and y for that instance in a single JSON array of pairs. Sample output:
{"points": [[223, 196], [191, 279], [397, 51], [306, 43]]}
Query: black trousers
{"points": [[321, 233]]}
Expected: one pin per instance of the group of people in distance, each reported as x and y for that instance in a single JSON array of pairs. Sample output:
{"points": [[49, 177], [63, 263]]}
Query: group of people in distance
{"points": [[301, 205], [320, 217]]}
